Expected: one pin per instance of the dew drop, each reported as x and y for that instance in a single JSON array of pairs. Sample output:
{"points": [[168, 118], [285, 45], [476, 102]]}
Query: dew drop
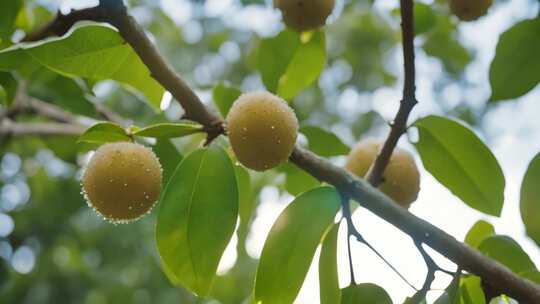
{"points": [[125, 184]]}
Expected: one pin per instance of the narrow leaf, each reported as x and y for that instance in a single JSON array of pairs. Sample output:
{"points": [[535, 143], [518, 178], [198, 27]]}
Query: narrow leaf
{"points": [[291, 244], [460, 161], [478, 232], [195, 221], [365, 293], [305, 67], [514, 70], [328, 271], [508, 252], [530, 200], [169, 157], [323, 142], [169, 130], [103, 132]]}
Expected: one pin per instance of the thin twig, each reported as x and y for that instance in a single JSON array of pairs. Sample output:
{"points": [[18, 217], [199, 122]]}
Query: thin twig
{"points": [[9, 128]]}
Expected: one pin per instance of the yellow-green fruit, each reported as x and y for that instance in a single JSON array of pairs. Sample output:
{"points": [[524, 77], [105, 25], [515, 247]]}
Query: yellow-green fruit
{"points": [[122, 181], [401, 179], [303, 15], [469, 10], [262, 129]]}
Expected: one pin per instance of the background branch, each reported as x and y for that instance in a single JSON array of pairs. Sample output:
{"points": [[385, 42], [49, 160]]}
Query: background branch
{"points": [[498, 275], [9, 128]]}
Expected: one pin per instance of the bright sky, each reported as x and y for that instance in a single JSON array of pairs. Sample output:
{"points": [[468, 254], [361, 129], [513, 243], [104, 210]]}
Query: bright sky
{"points": [[514, 141]]}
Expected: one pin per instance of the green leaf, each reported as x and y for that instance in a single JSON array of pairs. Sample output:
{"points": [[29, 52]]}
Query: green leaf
{"points": [[94, 52], [507, 251], [224, 96], [323, 142], [8, 15], [532, 275], [530, 200], [8, 86], [328, 271], [451, 293], [169, 130], [104, 132], [273, 56], [305, 67], [460, 161], [246, 202], [471, 291], [168, 156], [291, 244], [514, 70], [424, 18], [297, 180], [478, 232], [365, 293], [195, 222]]}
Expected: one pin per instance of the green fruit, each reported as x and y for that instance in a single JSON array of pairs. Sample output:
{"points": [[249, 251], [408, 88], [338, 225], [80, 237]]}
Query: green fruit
{"points": [[303, 15], [122, 181], [262, 129], [401, 179]]}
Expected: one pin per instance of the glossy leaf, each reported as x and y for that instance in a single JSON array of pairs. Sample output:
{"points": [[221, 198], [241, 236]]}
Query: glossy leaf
{"points": [[471, 290], [297, 180], [323, 142], [365, 293], [530, 200], [305, 67], [8, 88], [273, 56], [168, 156], [508, 252], [460, 161], [291, 244], [514, 70], [224, 96], [94, 52], [104, 132], [169, 130], [478, 232], [195, 222], [328, 270]]}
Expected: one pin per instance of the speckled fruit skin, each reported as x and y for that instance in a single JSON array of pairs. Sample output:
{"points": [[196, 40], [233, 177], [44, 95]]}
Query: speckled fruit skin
{"points": [[262, 129], [122, 181], [401, 179], [303, 15], [468, 10]]}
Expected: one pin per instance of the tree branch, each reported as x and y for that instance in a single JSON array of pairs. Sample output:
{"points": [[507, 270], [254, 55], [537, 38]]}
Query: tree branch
{"points": [[399, 125], [9, 128], [499, 276]]}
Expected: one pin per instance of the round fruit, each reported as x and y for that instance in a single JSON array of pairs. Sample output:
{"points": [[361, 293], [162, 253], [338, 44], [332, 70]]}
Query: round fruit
{"points": [[469, 10], [401, 179], [122, 181], [262, 129], [302, 15]]}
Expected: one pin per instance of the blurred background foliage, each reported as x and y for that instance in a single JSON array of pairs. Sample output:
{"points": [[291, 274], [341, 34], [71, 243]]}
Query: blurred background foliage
{"points": [[54, 249]]}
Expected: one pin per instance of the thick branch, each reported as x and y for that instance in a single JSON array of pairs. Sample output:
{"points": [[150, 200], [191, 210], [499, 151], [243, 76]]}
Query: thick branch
{"points": [[399, 125], [499, 276]]}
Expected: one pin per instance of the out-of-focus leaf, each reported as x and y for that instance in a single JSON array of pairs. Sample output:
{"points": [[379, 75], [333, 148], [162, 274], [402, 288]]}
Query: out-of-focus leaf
{"points": [[533, 275], [478, 232], [92, 51], [224, 96], [195, 221], [244, 193], [8, 15], [424, 18], [296, 180], [103, 132], [514, 70], [460, 161], [507, 251], [273, 56], [291, 244], [8, 88], [169, 130], [168, 156], [365, 293], [305, 67], [530, 200], [471, 291], [450, 294], [328, 271], [323, 142]]}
